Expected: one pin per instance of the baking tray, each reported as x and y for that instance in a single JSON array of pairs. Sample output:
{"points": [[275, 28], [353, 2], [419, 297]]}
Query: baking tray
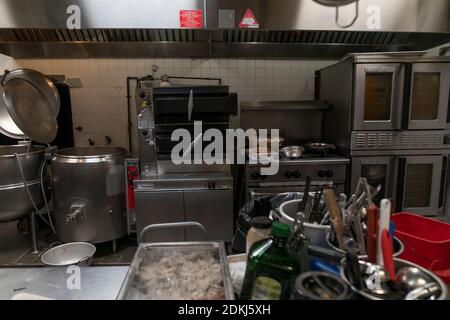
{"points": [[151, 253]]}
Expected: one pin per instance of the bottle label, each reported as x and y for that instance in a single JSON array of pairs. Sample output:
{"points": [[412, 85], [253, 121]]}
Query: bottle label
{"points": [[266, 288]]}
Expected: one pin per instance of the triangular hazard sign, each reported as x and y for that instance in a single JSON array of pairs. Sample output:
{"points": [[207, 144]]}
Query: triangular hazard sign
{"points": [[248, 20]]}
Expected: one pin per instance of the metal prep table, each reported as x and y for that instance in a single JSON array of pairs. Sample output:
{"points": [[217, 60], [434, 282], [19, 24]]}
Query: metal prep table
{"points": [[97, 283]]}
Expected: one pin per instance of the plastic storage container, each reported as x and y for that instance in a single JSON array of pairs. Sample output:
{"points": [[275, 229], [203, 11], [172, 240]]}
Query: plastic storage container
{"points": [[260, 230], [426, 242]]}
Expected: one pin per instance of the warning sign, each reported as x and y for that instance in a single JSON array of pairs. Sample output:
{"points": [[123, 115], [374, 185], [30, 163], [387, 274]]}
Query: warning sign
{"points": [[249, 20], [191, 19]]}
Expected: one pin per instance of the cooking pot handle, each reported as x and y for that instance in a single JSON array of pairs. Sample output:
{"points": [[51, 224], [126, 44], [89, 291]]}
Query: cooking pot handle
{"points": [[2, 80], [185, 224]]}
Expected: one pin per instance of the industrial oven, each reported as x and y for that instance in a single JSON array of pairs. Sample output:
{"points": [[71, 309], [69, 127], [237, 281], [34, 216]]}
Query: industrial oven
{"points": [[167, 192]]}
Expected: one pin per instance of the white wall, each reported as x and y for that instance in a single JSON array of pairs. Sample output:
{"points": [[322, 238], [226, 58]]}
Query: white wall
{"points": [[100, 106]]}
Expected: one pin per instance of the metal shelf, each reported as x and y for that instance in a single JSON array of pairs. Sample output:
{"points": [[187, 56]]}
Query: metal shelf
{"points": [[286, 105]]}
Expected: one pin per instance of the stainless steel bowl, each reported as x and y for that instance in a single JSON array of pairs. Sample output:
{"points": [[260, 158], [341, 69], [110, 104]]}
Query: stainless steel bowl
{"points": [[399, 263], [292, 152], [399, 247], [320, 147], [81, 253]]}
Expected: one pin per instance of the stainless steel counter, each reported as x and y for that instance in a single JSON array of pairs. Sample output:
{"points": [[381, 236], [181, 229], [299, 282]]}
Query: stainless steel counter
{"points": [[96, 283]]}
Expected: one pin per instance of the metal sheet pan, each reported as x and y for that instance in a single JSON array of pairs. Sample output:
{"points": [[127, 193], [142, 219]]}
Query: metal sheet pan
{"points": [[130, 287]]}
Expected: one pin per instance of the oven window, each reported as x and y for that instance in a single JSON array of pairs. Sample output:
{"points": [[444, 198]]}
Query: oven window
{"points": [[376, 174], [425, 96], [418, 185], [377, 99]]}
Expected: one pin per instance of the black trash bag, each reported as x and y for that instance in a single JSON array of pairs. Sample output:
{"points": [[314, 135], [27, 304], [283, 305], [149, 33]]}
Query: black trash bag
{"points": [[257, 207], [281, 198]]}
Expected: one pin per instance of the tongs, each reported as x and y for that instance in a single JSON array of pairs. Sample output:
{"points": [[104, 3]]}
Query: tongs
{"points": [[297, 237], [315, 214]]}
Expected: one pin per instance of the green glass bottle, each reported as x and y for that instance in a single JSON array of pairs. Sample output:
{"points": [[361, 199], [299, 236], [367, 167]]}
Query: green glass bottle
{"points": [[271, 267]]}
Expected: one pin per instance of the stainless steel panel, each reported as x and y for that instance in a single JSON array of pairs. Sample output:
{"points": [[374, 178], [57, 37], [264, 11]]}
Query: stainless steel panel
{"points": [[89, 194], [98, 283], [306, 14], [336, 89], [96, 14], [271, 14], [214, 210], [165, 167], [289, 28], [409, 56], [399, 152], [294, 172], [360, 92], [200, 47], [185, 181], [121, 49], [390, 140], [160, 207], [443, 70]]}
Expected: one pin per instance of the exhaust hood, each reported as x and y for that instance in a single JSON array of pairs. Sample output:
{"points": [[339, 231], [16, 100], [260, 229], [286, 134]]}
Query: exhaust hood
{"points": [[210, 28]]}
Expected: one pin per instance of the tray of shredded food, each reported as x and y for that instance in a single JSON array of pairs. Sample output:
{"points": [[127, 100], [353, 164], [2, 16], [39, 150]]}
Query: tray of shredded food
{"points": [[178, 271]]}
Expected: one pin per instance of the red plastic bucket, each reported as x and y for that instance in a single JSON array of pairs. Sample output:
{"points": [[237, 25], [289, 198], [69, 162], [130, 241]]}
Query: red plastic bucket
{"points": [[426, 241]]}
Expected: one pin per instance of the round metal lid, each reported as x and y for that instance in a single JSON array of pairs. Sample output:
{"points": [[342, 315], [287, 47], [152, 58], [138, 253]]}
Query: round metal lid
{"points": [[32, 102], [7, 126]]}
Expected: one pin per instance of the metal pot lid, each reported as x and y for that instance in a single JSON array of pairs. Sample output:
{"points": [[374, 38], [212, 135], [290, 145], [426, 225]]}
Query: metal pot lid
{"points": [[7, 126], [40, 81], [32, 102]]}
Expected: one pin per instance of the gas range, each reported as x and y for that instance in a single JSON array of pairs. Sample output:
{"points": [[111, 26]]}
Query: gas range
{"points": [[291, 176]]}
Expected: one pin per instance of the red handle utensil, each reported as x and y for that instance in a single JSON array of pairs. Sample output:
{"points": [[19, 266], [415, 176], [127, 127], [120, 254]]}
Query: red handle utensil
{"points": [[388, 257]]}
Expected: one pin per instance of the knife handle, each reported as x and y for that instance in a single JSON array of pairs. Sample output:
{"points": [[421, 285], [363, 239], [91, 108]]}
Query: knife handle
{"points": [[388, 258], [335, 217]]}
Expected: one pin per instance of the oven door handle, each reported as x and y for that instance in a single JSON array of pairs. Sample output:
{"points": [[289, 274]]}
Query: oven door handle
{"points": [[401, 179], [406, 107], [443, 184]]}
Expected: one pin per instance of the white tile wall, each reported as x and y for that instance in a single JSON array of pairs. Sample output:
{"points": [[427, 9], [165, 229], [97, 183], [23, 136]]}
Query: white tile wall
{"points": [[100, 106]]}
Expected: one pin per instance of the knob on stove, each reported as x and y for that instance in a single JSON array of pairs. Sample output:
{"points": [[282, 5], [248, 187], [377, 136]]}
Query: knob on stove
{"points": [[327, 173], [288, 174], [297, 174]]}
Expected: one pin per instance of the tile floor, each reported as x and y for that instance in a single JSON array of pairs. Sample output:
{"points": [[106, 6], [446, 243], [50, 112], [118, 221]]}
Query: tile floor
{"points": [[15, 248]]}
